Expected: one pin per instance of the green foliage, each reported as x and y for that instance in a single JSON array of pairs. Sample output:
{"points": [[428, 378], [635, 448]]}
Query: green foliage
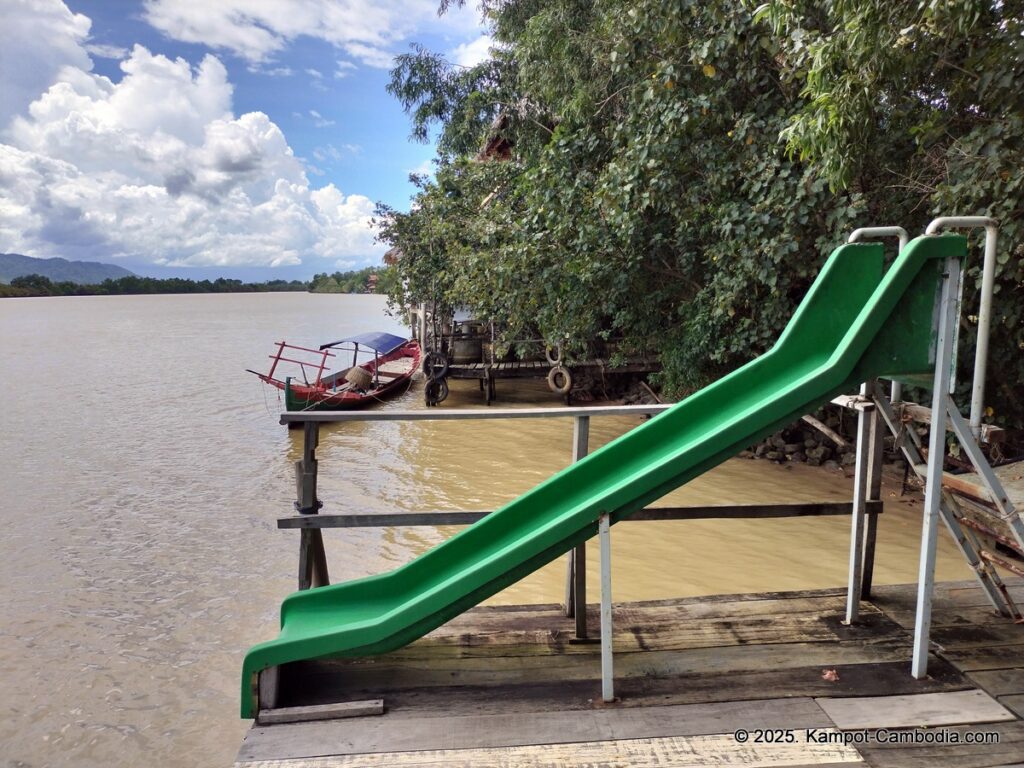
{"points": [[349, 282], [679, 169], [921, 104]]}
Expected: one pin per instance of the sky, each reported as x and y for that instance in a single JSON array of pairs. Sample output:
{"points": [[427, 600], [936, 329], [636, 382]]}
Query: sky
{"points": [[206, 138]]}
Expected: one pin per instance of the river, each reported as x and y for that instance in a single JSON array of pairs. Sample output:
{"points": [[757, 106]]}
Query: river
{"points": [[143, 470]]}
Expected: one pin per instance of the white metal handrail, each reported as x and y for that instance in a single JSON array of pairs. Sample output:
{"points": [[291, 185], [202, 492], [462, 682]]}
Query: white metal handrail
{"points": [[988, 276], [901, 234]]}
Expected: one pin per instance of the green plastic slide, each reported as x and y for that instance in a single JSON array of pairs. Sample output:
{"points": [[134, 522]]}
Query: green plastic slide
{"points": [[854, 323]]}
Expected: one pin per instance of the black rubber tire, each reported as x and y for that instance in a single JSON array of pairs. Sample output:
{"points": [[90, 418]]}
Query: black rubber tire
{"points": [[442, 393], [435, 391], [435, 365], [560, 380]]}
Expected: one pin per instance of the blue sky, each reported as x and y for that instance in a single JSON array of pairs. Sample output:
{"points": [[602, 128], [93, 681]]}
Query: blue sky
{"points": [[242, 138]]}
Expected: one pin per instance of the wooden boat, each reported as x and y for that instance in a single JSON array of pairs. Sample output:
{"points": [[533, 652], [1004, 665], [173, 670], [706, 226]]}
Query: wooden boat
{"points": [[387, 373]]}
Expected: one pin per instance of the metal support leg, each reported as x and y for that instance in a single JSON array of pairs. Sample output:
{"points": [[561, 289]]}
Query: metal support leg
{"points": [[607, 674], [989, 581], [875, 451], [576, 567], [936, 451], [860, 496]]}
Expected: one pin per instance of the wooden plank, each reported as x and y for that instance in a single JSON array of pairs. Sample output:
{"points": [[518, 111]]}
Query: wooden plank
{"points": [[527, 633], [976, 659], [954, 603], [389, 734], [999, 682], [635, 634], [825, 430], [305, 685], [496, 621], [968, 636], [990, 433], [335, 711], [920, 710], [358, 675], [269, 687], [733, 511], [675, 751], [1008, 750], [1014, 702]]}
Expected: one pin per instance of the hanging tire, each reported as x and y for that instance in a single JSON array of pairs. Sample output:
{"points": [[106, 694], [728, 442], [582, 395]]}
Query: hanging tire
{"points": [[559, 380], [435, 391], [435, 365], [553, 354]]}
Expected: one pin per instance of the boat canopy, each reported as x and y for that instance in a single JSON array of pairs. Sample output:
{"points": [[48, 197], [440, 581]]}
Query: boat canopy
{"points": [[381, 343]]}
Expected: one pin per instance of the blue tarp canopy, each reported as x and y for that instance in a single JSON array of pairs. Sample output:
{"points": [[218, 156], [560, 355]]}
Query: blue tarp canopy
{"points": [[381, 343]]}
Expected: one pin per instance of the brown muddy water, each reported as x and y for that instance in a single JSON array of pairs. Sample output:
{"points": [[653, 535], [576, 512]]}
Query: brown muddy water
{"points": [[142, 471]]}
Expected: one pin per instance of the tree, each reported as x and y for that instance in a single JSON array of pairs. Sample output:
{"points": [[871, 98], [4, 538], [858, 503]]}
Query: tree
{"points": [[672, 179]]}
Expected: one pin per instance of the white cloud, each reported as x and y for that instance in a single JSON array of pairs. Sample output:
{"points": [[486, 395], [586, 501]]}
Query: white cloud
{"points": [[471, 54], [337, 154], [40, 39], [315, 73], [319, 120], [368, 30], [344, 69], [426, 168], [158, 168], [106, 51]]}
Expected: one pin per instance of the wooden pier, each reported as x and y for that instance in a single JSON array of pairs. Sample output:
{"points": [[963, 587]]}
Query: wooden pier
{"points": [[488, 374], [509, 686], [800, 679]]}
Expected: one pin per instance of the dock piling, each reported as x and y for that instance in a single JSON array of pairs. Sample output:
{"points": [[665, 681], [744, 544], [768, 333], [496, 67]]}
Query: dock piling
{"points": [[312, 558]]}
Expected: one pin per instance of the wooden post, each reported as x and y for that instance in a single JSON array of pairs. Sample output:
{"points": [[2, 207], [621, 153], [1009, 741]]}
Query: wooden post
{"points": [[312, 558], [576, 569]]}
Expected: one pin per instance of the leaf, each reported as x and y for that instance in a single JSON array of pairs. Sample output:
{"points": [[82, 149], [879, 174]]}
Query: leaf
{"points": [[708, 70]]}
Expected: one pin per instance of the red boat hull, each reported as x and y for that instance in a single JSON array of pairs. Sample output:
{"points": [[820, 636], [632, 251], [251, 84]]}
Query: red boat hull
{"points": [[305, 397]]}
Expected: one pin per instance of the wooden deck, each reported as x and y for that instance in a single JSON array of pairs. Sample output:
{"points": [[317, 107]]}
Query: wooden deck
{"points": [[509, 687], [539, 368]]}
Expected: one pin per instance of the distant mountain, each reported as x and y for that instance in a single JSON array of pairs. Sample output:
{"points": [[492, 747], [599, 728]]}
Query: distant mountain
{"points": [[14, 265]]}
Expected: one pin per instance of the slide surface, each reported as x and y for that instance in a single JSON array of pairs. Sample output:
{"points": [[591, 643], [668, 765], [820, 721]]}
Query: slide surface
{"points": [[854, 324]]}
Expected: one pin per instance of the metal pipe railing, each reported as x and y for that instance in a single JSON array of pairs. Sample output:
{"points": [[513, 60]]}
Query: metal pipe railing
{"points": [[898, 232], [988, 276]]}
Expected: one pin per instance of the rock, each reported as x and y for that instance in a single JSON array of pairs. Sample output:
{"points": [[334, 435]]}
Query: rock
{"points": [[773, 456], [849, 459], [745, 455], [761, 450], [798, 456], [833, 465], [810, 443], [791, 447], [820, 453], [778, 440]]}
